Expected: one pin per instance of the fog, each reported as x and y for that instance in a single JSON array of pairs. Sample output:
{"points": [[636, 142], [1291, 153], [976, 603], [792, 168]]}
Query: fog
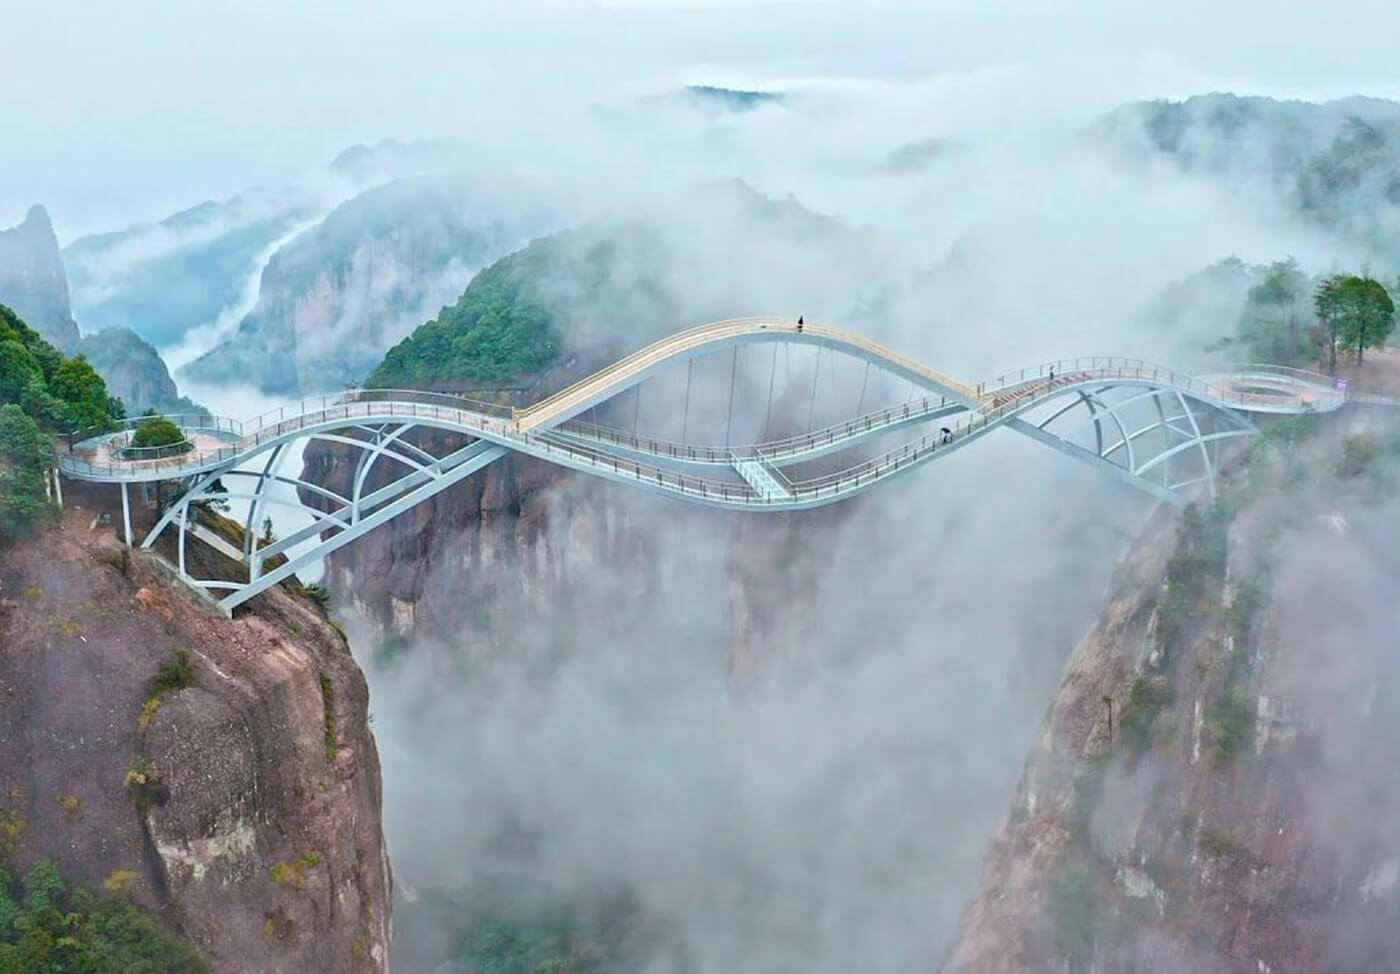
{"points": [[788, 745], [575, 718], [184, 102], [827, 811]]}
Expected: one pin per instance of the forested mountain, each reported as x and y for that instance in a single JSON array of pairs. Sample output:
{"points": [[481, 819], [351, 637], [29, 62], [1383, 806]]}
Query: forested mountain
{"points": [[1336, 164], [134, 372], [617, 283], [162, 279], [330, 301]]}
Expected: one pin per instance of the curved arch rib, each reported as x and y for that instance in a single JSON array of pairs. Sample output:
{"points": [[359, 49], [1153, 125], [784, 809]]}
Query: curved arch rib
{"points": [[385, 417]]}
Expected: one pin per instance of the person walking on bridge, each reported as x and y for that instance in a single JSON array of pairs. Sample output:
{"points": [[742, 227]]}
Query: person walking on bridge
{"points": [[799, 322]]}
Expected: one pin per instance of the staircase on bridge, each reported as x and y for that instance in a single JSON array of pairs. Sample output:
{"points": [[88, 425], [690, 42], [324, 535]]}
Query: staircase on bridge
{"points": [[765, 479]]}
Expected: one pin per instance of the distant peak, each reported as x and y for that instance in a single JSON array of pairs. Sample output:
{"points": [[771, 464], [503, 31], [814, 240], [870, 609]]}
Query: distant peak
{"points": [[37, 219], [735, 99]]}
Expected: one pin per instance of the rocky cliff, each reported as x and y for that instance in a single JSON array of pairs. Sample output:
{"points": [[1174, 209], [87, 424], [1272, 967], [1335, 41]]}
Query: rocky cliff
{"points": [[332, 300], [32, 281], [220, 772], [461, 569], [1213, 789], [165, 278], [134, 372], [564, 305]]}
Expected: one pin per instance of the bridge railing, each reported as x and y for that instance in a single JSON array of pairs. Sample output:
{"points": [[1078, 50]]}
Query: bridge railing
{"points": [[673, 345], [1306, 375], [829, 486], [642, 358], [1011, 390], [780, 448], [111, 454], [851, 479], [1207, 386]]}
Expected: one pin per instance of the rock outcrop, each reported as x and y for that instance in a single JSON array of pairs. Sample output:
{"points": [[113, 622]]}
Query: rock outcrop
{"points": [[32, 280], [459, 568], [238, 795], [1214, 788], [188, 270], [332, 300], [134, 372]]}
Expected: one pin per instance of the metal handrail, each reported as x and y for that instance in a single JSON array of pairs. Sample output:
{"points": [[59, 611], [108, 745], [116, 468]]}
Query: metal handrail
{"points": [[1010, 395], [1129, 368], [691, 338], [768, 449]]}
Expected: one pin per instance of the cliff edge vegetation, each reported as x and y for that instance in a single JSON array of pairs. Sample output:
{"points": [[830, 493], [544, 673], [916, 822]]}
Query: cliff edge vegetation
{"points": [[1213, 786]]}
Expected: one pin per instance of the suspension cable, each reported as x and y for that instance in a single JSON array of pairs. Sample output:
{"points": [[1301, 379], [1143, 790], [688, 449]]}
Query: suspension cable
{"points": [[685, 413], [772, 372], [729, 418]]}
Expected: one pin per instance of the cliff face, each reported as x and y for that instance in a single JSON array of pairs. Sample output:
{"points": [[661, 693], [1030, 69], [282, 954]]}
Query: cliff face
{"points": [[133, 371], [242, 802], [1238, 813], [162, 279], [332, 300], [456, 570], [32, 281]]}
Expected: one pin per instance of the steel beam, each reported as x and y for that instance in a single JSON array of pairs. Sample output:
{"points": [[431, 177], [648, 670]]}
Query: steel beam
{"points": [[363, 526], [1090, 457]]}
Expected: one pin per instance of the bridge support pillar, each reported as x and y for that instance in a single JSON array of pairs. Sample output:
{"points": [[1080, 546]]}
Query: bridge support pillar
{"points": [[126, 514]]}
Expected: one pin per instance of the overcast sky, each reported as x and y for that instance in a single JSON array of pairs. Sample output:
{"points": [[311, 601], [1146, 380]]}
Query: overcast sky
{"points": [[119, 111]]}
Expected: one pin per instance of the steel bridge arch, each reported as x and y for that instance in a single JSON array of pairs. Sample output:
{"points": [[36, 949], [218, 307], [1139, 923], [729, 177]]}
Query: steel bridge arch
{"points": [[1205, 411]]}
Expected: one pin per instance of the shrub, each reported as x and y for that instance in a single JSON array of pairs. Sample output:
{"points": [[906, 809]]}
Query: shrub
{"points": [[1359, 452], [119, 880], [48, 924], [277, 925], [175, 674], [13, 825], [1073, 913], [1220, 842], [1147, 697], [1248, 600], [332, 733], [1230, 723], [1202, 545], [157, 431], [72, 805], [143, 780], [293, 873]]}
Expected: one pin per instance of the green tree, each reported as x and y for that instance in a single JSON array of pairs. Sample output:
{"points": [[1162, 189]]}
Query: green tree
{"points": [[1367, 315], [157, 431], [1271, 323], [83, 393], [22, 444], [18, 370], [25, 455], [48, 926], [1328, 302]]}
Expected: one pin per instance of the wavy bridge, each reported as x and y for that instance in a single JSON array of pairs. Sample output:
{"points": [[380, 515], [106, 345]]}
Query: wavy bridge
{"points": [[851, 414]]}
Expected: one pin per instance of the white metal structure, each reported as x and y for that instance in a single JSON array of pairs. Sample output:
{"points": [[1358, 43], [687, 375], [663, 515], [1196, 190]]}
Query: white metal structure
{"points": [[1186, 417]]}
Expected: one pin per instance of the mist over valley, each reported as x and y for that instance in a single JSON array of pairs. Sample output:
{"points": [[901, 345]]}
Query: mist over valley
{"points": [[395, 575]]}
